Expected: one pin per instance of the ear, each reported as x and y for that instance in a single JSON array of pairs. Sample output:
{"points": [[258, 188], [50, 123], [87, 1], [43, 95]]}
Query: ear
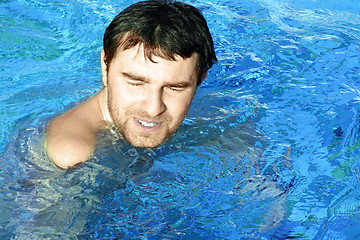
{"points": [[103, 68], [203, 77]]}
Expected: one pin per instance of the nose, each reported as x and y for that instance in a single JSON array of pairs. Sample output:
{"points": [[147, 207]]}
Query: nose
{"points": [[154, 103]]}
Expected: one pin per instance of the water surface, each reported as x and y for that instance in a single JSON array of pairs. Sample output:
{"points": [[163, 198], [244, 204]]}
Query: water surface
{"points": [[269, 149]]}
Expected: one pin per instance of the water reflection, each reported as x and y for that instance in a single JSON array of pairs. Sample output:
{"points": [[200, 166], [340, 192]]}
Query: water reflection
{"points": [[258, 156], [51, 203]]}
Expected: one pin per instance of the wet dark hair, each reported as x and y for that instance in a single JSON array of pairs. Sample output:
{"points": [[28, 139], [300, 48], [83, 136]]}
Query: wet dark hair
{"points": [[165, 28]]}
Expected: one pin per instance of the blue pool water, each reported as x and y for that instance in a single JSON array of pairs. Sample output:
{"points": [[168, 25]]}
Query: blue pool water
{"points": [[269, 150]]}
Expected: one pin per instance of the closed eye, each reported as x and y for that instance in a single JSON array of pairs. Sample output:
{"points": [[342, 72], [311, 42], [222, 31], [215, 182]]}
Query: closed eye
{"points": [[134, 80], [176, 88], [135, 83]]}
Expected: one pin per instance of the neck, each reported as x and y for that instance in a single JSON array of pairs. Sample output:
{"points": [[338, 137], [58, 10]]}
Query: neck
{"points": [[102, 101]]}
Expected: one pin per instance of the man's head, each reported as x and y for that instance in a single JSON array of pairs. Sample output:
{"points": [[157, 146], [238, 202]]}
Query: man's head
{"points": [[155, 55], [165, 29]]}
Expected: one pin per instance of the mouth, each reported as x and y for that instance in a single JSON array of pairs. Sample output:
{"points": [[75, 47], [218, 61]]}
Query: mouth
{"points": [[148, 125]]}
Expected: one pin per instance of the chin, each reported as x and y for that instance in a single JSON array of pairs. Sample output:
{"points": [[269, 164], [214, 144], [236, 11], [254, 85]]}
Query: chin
{"points": [[145, 145], [144, 142]]}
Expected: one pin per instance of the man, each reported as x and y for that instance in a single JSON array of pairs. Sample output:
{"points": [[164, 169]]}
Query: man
{"points": [[155, 55]]}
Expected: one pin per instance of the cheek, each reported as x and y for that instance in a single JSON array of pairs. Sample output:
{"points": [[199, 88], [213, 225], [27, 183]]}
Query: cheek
{"points": [[122, 97], [179, 107]]}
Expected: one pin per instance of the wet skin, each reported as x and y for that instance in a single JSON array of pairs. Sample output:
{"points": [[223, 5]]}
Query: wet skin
{"points": [[146, 100]]}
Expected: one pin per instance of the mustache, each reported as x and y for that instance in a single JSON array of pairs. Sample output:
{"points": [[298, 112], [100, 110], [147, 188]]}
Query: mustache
{"points": [[141, 114]]}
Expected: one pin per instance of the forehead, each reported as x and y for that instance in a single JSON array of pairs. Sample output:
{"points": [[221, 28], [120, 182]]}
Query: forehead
{"points": [[130, 40], [136, 60]]}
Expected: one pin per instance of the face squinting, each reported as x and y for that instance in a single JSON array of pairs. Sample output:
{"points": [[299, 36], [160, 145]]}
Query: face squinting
{"points": [[148, 100]]}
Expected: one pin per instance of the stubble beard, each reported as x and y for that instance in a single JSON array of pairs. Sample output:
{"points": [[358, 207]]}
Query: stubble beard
{"points": [[124, 122]]}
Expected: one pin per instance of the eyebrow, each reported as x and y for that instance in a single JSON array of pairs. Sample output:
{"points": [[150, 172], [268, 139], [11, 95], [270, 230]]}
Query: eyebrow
{"points": [[135, 77]]}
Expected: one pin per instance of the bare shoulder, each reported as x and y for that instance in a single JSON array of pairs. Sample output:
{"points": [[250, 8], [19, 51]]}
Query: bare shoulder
{"points": [[67, 151], [71, 137]]}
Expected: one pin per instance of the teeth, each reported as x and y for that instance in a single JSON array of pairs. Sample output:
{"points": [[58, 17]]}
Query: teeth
{"points": [[146, 124]]}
